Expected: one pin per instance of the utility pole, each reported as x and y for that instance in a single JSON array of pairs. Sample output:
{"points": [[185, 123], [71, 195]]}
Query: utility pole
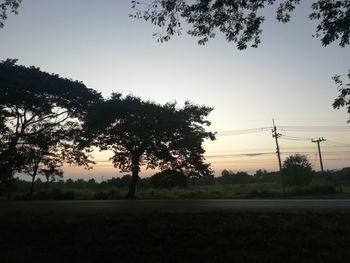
{"points": [[276, 135], [319, 149]]}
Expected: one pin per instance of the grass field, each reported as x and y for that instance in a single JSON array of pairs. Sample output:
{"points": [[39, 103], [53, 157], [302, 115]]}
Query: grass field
{"points": [[176, 237]]}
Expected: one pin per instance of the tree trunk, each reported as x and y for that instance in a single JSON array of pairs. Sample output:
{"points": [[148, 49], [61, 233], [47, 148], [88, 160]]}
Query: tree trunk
{"points": [[7, 167], [32, 186], [7, 182], [134, 178], [35, 171], [46, 185]]}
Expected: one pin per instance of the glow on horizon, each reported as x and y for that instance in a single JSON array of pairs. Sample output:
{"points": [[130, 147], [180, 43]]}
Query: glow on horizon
{"points": [[287, 78]]}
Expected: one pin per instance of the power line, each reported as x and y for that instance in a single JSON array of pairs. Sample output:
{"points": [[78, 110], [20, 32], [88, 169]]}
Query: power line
{"points": [[315, 128], [243, 131], [286, 128], [341, 143], [239, 155], [295, 138], [337, 159]]}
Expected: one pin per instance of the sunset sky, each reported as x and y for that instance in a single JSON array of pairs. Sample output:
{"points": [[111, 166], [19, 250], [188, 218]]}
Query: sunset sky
{"points": [[288, 78]]}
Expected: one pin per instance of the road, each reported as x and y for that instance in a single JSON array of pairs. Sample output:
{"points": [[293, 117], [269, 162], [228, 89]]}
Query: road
{"points": [[191, 205]]}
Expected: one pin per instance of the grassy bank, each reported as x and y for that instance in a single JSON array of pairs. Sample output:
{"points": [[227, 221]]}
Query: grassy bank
{"points": [[176, 237]]}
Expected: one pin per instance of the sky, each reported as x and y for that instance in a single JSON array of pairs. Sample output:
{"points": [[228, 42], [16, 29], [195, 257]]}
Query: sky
{"points": [[288, 78]]}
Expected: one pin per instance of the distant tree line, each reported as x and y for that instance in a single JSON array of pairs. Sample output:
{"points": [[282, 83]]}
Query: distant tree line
{"points": [[300, 179], [296, 172], [169, 179]]}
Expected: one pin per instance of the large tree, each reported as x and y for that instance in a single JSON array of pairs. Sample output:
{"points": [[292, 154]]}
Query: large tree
{"points": [[143, 133], [45, 153], [35, 104]]}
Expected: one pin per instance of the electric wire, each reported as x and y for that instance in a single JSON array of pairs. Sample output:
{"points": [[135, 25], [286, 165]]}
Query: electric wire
{"points": [[257, 156], [315, 128]]}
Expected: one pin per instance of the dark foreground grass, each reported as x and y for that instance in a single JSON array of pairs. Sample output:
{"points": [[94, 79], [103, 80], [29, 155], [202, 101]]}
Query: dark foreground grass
{"points": [[176, 237]]}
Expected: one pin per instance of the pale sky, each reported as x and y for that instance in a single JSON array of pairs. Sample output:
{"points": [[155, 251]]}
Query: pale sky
{"points": [[287, 78]]}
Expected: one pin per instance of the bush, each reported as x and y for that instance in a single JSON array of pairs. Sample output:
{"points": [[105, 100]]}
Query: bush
{"points": [[100, 196], [316, 188], [297, 170], [169, 179], [115, 194]]}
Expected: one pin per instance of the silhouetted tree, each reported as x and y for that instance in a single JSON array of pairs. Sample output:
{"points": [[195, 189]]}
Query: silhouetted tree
{"points": [[297, 170], [260, 173], [7, 6], [229, 177], [51, 171], [40, 150], [34, 104], [143, 133]]}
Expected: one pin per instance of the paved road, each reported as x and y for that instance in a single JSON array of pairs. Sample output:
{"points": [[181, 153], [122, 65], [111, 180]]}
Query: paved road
{"points": [[204, 205]]}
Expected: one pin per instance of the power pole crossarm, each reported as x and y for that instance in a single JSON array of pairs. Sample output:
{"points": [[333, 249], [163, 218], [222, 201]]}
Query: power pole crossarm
{"points": [[319, 149]]}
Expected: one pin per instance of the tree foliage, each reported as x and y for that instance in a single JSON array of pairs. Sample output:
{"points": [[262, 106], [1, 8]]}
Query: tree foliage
{"points": [[143, 133], [297, 170], [343, 99], [40, 117], [44, 154], [7, 6], [241, 21], [230, 177]]}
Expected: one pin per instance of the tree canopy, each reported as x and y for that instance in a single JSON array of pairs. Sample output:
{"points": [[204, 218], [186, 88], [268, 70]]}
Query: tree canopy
{"points": [[143, 133], [7, 6], [241, 21], [38, 113]]}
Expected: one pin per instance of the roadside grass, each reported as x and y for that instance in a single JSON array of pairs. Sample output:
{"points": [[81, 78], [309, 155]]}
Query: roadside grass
{"points": [[317, 189], [212, 191], [176, 237]]}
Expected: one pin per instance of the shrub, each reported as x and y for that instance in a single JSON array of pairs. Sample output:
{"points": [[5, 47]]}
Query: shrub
{"points": [[316, 188], [297, 170], [169, 179]]}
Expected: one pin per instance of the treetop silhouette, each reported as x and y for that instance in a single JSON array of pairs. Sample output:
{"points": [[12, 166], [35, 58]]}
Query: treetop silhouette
{"points": [[143, 133]]}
